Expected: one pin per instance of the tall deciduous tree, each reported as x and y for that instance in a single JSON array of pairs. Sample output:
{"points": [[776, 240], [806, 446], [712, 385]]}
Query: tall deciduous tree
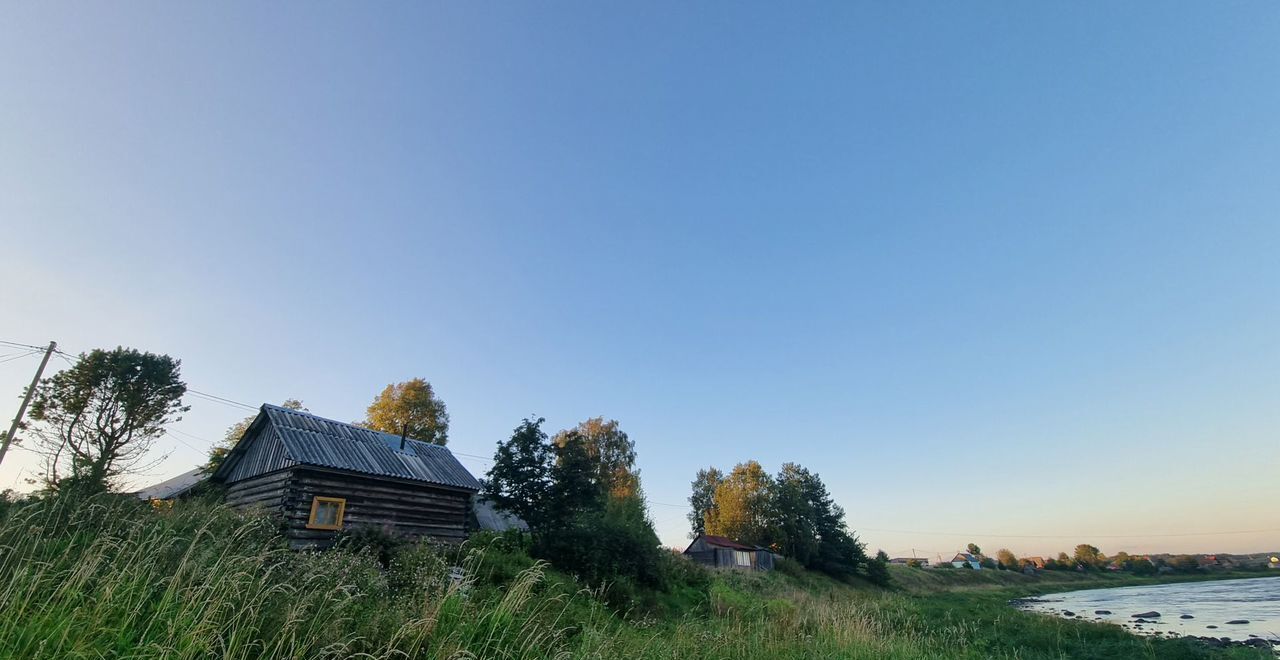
{"points": [[743, 502], [1007, 559], [97, 419], [218, 453], [610, 451], [410, 408], [520, 479], [575, 484], [703, 498], [974, 549]]}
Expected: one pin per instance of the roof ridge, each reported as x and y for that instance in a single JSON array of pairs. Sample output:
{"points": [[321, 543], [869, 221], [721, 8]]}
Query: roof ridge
{"points": [[315, 440], [308, 413]]}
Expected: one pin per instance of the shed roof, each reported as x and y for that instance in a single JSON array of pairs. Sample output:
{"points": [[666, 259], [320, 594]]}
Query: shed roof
{"points": [[312, 440], [173, 487], [490, 518], [725, 542]]}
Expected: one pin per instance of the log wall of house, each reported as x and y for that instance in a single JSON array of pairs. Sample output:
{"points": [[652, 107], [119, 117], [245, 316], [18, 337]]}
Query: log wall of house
{"points": [[761, 560], [267, 491], [406, 508]]}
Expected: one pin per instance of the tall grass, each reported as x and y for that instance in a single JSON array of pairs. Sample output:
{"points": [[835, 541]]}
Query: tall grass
{"points": [[112, 578], [109, 577]]}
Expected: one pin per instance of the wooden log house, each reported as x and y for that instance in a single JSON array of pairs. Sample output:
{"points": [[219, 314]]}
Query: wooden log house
{"points": [[322, 476], [722, 552]]}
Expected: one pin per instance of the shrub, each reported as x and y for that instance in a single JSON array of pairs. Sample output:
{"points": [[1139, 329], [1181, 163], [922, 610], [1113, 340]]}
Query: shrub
{"points": [[877, 569], [381, 541], [789, 567]]}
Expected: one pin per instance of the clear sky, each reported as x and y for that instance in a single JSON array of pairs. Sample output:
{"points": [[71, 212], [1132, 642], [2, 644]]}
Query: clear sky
{"points": [[996, 271]]}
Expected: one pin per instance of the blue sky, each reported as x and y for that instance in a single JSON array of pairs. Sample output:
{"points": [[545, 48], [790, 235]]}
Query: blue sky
{"points": [[996, 272]]}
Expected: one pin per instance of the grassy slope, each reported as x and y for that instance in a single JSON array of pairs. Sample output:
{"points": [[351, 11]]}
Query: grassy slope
{"points": [[113, 579], [933, 614]]}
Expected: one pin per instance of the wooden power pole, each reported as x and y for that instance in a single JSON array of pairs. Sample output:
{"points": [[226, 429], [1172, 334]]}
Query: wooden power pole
{"points": [[22, 410]]}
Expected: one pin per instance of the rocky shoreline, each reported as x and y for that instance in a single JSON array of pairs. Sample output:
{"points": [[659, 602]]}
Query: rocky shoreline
{"points": [[1144, 622]]}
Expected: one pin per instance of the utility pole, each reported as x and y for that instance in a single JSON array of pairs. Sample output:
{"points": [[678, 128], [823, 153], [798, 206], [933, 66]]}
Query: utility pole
{"points": [[22, 410]]}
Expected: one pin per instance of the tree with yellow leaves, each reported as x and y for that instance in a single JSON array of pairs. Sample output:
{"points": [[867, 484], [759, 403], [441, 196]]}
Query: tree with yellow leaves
{"points": [[743, 505], [411, 409]]}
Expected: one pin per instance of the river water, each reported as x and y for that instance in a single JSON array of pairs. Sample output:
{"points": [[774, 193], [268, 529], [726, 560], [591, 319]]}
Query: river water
{"points": [[1211, 604]]}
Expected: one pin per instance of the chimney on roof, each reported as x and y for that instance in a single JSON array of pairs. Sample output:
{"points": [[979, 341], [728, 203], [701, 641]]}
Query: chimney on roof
{"points": [[404, 431]]}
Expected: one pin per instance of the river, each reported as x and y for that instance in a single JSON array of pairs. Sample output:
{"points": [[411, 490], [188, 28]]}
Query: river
{"points": [[1201, 609]]}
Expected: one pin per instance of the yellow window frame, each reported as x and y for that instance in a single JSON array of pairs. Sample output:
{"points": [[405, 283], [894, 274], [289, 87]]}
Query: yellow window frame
{"points": [[315, 509]]}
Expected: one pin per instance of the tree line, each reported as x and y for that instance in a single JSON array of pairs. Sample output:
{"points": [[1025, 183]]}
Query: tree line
{"points": [[579, 491], [791, 513], [1087, 557]]}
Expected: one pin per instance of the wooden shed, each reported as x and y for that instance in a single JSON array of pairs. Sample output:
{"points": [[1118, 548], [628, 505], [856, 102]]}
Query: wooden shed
{"points": [[322, 476], [722, 552]]}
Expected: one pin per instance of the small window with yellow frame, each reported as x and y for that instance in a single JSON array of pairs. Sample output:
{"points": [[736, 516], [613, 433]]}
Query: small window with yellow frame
{"points": [[326, 513]]}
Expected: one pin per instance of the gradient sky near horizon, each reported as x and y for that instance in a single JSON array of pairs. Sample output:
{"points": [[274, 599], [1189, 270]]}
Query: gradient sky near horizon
{"points": [[1000, 272]]}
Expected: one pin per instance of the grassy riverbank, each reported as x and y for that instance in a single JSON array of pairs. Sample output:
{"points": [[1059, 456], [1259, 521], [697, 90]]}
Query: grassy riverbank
{"points": [[114, 579]]}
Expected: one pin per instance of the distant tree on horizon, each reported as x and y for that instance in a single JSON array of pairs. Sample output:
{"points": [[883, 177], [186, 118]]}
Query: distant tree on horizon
{"points": [[974, 549], [1089, 556], [1007, 559]]}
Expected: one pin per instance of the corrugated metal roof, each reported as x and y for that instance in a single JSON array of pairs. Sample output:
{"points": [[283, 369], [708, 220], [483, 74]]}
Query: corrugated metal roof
{"points": [[170, 488], [726, 542], [493, 519], [324, 442]]}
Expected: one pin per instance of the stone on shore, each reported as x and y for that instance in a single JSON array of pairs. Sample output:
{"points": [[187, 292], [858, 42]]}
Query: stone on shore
{"points": [[1146, 615]]}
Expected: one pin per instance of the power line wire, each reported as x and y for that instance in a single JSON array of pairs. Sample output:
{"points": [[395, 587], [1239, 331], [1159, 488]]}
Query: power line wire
{"points": [[475, 456], [183, 442], [21, 345], [19, 357], [222, 400]]}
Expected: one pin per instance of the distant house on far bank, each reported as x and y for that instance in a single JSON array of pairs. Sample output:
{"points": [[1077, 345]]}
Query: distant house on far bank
{"points": [[721, 552], [907, 561], [963, 558], [1208, 561], [1035, 562]]}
